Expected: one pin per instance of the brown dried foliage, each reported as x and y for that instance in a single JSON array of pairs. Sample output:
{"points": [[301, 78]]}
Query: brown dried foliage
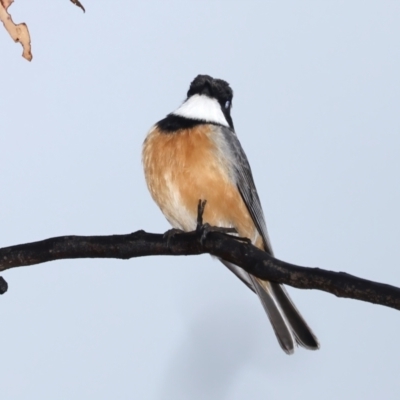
{"points": [[20, 32]]}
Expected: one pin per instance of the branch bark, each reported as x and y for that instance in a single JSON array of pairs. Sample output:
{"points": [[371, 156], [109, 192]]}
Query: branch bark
{"points": [[251, 259]]}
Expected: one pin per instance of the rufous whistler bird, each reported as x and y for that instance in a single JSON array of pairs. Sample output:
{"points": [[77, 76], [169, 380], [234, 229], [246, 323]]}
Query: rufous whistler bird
{"points": [[194, 154]]}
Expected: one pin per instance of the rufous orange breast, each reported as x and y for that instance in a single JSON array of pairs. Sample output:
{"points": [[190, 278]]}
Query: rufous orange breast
{"points": [[188, 165]]}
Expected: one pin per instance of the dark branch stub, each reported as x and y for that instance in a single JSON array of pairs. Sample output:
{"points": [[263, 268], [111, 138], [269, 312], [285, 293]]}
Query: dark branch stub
{"points": [[3, 285]]}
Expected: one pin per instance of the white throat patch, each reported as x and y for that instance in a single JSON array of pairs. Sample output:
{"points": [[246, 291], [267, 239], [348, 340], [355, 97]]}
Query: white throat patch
{"points": [[203, 108]]}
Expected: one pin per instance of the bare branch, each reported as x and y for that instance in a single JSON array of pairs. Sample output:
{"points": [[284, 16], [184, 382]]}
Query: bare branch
{"points": [[251, 259]]}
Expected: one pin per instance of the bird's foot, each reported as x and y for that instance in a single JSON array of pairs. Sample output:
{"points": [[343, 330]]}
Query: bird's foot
{"points": [[170, 234], [242, 239], [200, 211], [206, 228]]}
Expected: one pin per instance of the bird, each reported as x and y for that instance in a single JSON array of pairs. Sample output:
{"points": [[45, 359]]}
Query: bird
{"points": [[194, 154]]}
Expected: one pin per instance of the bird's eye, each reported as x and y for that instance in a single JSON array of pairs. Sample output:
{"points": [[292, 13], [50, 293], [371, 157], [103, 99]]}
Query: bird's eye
{"points": [[227, 104]]}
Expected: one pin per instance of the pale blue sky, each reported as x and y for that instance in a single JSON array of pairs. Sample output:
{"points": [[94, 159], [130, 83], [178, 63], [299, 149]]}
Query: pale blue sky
{"points": [[316, 108]]}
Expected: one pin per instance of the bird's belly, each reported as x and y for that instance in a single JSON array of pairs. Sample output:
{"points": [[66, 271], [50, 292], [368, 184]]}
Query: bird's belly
{"points": [[179, 198]]}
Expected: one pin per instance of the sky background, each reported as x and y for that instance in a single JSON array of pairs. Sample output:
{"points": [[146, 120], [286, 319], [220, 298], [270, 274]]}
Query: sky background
{"points": [[316, 108]]}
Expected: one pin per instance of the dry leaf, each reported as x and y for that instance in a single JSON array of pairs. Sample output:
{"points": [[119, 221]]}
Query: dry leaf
{"points": [[6, 3], [18, 32], [76, 2]]}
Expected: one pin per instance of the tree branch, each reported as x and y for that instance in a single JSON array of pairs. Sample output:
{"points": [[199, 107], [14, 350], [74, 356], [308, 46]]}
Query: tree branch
{"points": [[250, 258]]}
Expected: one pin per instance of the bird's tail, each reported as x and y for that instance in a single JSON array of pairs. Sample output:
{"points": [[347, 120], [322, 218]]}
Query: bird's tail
{"points": [[286, 320], [288, 324]]}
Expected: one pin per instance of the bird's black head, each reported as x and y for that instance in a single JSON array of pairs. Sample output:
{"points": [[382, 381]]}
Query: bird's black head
{"points": [[209, 101], [217, 89]]}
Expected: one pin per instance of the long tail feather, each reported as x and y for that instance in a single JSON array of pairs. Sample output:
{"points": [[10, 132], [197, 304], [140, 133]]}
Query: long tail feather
{"points": [[281, 328], [302, 332], [288, 324]]}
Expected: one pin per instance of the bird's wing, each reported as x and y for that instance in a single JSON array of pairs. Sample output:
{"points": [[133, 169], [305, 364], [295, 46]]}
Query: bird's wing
{"points": [[246, 185]]}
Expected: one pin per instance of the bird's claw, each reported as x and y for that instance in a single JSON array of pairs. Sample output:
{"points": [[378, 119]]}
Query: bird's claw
{"points": [[207, 228], [170, 234]]}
